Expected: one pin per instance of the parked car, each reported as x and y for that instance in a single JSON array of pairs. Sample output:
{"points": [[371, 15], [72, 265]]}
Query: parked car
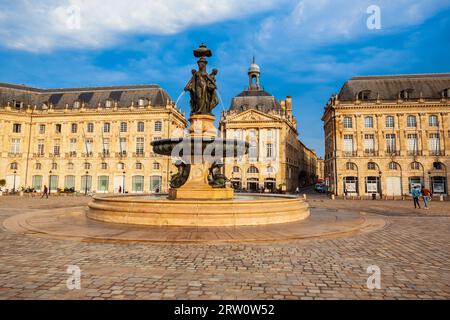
{"points": [[320, 188]]}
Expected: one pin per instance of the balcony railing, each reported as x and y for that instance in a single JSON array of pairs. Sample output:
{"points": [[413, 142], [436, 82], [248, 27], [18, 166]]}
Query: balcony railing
{"points": [[54, 155], [415, 152], [71, 154], [138, 154], [436, 153], [370, 153], [121, 154], [39, 155], [14, 155], [104, 154], [87, 154], [392, 153], [349, 153]]}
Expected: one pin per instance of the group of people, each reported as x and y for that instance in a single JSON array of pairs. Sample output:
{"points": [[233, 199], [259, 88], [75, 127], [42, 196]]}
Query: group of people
{"points": [[417, 192]]}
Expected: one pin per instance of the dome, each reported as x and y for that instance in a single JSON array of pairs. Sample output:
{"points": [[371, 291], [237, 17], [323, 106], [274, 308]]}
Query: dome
{"points": [[254, 68]]}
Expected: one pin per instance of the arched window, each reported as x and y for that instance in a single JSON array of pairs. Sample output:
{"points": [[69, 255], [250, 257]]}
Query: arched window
{"points": [[350, 166], [236, 169], [90, 127], [253, 169], [390, 122], [371, 166], [438, 166], [348, 123], [142, 102], [368, 122], [158, 126], [364, 95], [411, 121], [433, 121], [415, 166], [393, 166]]}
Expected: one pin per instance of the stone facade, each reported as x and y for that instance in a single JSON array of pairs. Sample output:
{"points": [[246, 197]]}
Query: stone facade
{"points": [[384, 134], [89, 139], [277, 159]]}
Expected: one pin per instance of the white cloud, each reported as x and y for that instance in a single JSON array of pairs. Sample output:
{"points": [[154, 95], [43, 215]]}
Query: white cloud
{"points": [[316, 22], [45, 25]]}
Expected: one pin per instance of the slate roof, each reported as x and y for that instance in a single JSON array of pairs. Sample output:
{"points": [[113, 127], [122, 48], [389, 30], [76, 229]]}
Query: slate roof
{"points": [[91, 96], [388, 87], [254, 99]]}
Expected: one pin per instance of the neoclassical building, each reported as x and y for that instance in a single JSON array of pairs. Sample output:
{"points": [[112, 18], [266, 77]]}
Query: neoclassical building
{"points": [[385, 134], [276, 157], [88, 139]]}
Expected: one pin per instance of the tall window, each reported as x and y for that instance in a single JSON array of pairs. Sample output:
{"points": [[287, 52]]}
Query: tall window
{"points": [[158, 126], [412, 143], [371, 166], [56, 147], [106, 127], [390, 143], [368, 122], [17, 128], [369, 143], [104, 166], [38, 166], [73, 128], [89, 145], [348, 143], [433, 143], [42, 129], [390, 122], [105, 146], [123, 145], [156, 166], [58, 128], [350, 166], [393, 166], [40, 147], [123, 127], [87, 166], [415, 166], [15, 146], [411, 121], [54, 166], [90, 127], [433, 121], [139, 146], [269, 134], [140, 127], [73, 146], [348, 123], [138, 166], [14, 166], [269, 150]]}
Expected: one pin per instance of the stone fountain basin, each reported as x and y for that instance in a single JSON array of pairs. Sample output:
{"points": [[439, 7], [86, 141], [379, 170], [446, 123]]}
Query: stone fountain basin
{"points": [[242, 210], [196, 146]]}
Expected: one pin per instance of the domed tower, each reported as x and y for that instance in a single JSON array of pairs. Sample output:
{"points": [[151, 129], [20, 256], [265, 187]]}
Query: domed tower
{"points": [[254, 73]]}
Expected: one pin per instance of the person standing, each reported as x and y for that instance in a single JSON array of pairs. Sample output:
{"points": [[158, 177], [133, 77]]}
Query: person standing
{"points": [[426, 197], [415, 192], [45, 194]]}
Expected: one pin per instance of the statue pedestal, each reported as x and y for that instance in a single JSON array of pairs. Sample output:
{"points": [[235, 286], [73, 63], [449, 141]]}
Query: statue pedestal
{"points": [[202, 125], [197, 187]]}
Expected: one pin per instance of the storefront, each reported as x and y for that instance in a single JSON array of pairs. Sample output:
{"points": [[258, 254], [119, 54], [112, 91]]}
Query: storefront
{"points": [[373, 185], [252, 184], [414, 181], [351, 185], [438, 185], [236, 183], [270, 184]]}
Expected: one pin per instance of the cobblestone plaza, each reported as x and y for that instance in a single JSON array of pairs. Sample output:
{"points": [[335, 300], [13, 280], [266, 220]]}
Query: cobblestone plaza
{"points": [[411, 250]]}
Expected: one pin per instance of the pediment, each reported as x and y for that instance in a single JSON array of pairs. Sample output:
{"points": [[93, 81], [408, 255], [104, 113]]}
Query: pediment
{"points": [[253, 116]]}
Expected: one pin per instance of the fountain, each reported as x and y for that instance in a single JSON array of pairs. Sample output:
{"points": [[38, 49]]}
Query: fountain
{"points": [[199, 193]]}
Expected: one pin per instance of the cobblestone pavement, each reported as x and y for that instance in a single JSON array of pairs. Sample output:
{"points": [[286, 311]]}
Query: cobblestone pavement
{"points": [[412, 252]]}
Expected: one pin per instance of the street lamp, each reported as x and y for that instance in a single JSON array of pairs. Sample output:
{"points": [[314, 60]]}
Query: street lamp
{"points": [[14, 185], [123, 183], [379, 174], [49, 182], [86, 183]]}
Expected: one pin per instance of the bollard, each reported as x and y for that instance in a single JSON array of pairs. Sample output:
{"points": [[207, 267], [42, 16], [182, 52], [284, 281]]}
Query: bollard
{"points": [[332, 197], [441, 198], [304, 196]]}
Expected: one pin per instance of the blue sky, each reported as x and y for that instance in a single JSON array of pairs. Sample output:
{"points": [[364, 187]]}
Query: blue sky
{"points": [[306, 49]]}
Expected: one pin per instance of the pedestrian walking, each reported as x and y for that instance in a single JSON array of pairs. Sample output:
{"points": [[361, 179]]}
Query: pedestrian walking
{"points": [[415, 192], [426, 197], [120, 189], [45, 194], [297, 190]]}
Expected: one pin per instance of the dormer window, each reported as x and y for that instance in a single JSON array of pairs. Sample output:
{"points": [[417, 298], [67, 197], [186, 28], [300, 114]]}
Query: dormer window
{"points": [[77, 104], [108, 103], [446, 93], [142, 102], [406, 94], [364, 95]]}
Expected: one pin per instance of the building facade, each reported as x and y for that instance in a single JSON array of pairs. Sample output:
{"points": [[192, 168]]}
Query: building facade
{"points": [[276, 158], [86, 139], [385, 134]]}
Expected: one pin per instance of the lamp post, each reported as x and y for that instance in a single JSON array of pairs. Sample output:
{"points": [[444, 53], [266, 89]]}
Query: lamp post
{"points": [[14, 184], [379, 181], [123, 183], [86, 183], [49, 181]]}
